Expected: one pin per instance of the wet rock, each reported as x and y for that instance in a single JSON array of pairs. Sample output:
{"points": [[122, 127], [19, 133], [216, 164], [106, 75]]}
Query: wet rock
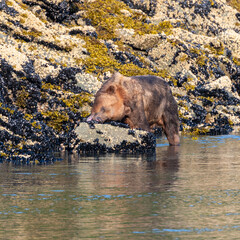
{"points": [[108, 138]]}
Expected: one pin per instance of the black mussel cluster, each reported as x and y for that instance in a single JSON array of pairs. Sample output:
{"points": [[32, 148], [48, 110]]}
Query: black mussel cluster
{"points": [[24, 135], [126, 57], [64, 11], [200, 8], [149, 7], [147, 144], [221, 124], [24, 141]]}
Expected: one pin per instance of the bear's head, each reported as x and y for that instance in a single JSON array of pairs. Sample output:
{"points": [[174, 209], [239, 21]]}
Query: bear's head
{"points": [[109, 104]]}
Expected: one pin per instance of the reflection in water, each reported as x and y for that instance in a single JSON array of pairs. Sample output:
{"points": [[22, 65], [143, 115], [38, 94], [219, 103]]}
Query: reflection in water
{"points": [[187, 192]]}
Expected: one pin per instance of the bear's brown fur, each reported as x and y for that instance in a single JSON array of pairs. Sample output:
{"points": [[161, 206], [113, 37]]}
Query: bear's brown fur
{"points": [[140, 101]]}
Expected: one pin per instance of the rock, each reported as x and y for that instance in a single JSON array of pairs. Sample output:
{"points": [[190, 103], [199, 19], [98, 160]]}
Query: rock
{"points": [[146, 42], [225, 84], [88, 82], [13, 56], [222, 83], [232, 40], [126, 12], [44, 69], [108, 138], [125, 33]]}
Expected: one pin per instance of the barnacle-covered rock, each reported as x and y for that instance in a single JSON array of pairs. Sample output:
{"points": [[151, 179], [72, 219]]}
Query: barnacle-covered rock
{"points": [[88, 82], [109, 138]]}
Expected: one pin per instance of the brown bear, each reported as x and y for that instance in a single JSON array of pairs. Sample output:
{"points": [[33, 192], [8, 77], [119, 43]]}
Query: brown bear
{"points": [[140, 101]]}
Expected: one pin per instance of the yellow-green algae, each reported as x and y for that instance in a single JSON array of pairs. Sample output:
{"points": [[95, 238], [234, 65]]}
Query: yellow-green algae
{"points": [[184, 57], [11, 111], [234, 4], [230, 122], [56, 119], [201, 60], [207, 98], [22, 98], [23, 5], [36, 125], [24, 15], [33, 33], [215, 50], [9, 3], [196, 131], [100, 61], [107, 16], [76, 101], [47, 86], [2, 154], [236, 61], [28, 117]]}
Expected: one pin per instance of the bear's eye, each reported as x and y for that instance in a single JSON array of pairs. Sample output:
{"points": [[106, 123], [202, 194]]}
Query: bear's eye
{"points": [[103, 109]]}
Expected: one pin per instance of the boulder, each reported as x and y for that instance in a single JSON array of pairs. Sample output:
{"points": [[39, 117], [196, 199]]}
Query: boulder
{"points": [[111, 138]]}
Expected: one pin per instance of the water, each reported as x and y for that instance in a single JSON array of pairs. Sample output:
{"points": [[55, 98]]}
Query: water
{"points": [[186, 192]]}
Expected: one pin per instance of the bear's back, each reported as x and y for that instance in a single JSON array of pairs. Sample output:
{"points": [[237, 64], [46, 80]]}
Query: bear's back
{"points": [[150, 82]]}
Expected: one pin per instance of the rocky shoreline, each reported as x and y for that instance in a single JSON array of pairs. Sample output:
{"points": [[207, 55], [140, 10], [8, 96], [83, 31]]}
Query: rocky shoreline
{"points": [[54, 56]]}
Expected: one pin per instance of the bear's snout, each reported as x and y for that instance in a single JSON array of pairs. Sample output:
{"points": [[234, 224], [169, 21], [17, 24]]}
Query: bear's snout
{"points": [[94, 118], [90, 118], [98, 119]]}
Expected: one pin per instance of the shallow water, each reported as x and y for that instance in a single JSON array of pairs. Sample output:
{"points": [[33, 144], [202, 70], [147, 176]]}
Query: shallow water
{"points": [[186, 192]]}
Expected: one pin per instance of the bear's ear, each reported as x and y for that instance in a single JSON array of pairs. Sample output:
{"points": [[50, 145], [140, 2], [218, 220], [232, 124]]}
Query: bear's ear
{"points": [[117, 75], [117, 78], [111, 89]]}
